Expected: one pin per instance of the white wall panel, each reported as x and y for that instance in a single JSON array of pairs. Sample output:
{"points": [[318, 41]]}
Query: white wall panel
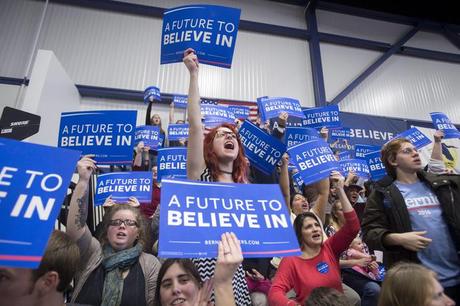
{"points": [[432, 41], [341, 65], [254, 10], [359, 27], [8, 95], [122, 51], [19, 20], [409, 88]]}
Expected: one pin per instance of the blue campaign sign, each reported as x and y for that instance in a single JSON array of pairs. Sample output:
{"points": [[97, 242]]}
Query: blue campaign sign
{"points": [[376, 167], [317, 117], [296, 135], [314, 159], [180, 101], [33, 183], [151, 94], [297, 178], [122, 185], [178, 131], [371, 130], [209, 29], [217, 114], [342, 133], [361, 150], [442, 122], [240, 112], [262, 150], [150, 135], [195, 214], [172, 162], [272, 107], [345, 155], [108, 134], [358, 166], [416, 137]]}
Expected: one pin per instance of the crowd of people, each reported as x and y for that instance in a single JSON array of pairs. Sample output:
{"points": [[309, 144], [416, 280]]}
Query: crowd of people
{"points": [[410, 216]]}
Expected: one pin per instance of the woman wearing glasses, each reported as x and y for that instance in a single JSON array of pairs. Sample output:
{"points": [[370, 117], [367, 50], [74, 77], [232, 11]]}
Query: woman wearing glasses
{"points": [[217, 157], [114, 270]]}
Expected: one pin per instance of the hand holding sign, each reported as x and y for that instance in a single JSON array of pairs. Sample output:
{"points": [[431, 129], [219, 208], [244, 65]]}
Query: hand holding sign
{"points": [[85, 167], [229, 257], [191, 61]]}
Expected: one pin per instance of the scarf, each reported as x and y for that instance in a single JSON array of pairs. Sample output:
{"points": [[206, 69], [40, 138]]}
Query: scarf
{"points": [[114, 263]]}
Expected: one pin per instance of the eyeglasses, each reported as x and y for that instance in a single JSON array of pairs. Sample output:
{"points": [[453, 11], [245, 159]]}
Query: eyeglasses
{"points": [[408, 151], [221, 134], [126, 222]]}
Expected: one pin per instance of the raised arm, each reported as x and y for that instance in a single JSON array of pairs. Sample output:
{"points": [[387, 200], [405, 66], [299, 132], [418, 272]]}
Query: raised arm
{"points": [[436, 164], [78, 208], [284, 180], [195, 158], [322, 187]]}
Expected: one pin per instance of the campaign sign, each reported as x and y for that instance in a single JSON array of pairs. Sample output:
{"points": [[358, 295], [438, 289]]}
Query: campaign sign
{"points": [[178, 131], [272, 107], [361, 150], [314, 159], [297, 178], [33, 183], [172, 162], [262, 150], [342, 133], [194, 215], [151, 94], [240, 112], [209, 29], [180, 101], [108, 134], [217, 114], [416, 137], [318, 117], [150, 135], [442, 122], [358, 166], [345, 155], [122, 185], [376, 167], [296, 135]]}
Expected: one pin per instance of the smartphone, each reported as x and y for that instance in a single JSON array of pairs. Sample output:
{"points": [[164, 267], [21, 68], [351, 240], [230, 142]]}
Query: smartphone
{"points": [[374, 258]]}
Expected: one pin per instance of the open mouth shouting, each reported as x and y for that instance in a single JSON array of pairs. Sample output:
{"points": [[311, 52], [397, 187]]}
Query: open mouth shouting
{"points": [[178, 301], [229, 145]]}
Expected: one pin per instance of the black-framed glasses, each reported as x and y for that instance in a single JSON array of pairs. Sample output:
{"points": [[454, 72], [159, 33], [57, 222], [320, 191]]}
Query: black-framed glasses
{"points": [[126, 222], [220, 134]]}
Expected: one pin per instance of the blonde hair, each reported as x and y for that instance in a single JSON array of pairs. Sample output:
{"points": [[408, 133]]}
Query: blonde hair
{"points": [[407, 284]]}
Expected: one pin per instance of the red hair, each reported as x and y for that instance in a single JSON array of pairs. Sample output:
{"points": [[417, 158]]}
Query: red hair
{"points": [[240, 166]]}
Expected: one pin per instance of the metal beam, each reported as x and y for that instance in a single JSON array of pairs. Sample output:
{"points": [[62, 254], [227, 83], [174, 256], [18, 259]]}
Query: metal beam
{"points": [[394, 49], [451, 36], [315, 55]]}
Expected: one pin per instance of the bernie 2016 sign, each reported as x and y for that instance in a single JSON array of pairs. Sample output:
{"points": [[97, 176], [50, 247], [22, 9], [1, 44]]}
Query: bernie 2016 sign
{"points": [[150, 135], [109, 135], [317, 117], [442, 122], [33, 183], [178, 131], [195, 214], [209, 29], [272, 107]]}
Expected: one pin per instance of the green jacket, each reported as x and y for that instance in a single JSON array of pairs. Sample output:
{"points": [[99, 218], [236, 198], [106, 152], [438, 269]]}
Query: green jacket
{"points": [[386, 213]]}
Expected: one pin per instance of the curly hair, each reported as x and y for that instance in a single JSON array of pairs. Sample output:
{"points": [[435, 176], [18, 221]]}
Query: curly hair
{"points": [[240, 166]]}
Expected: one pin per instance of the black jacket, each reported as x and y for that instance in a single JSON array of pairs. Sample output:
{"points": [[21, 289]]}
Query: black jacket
{"points": [[386, 213]]}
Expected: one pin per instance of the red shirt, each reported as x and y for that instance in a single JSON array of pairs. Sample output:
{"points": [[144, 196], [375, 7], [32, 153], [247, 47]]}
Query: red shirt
{"points": [[323, 270]]}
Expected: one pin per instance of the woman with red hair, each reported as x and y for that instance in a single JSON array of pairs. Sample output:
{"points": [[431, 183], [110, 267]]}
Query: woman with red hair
{"points": [[218, 157]]}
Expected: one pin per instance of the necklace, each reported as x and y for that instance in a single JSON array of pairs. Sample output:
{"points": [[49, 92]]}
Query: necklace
{"points": [[226, 172]]}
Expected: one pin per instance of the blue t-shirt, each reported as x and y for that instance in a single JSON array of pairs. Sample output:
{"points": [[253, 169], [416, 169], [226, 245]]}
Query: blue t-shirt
{"points": [[425, 215]]}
